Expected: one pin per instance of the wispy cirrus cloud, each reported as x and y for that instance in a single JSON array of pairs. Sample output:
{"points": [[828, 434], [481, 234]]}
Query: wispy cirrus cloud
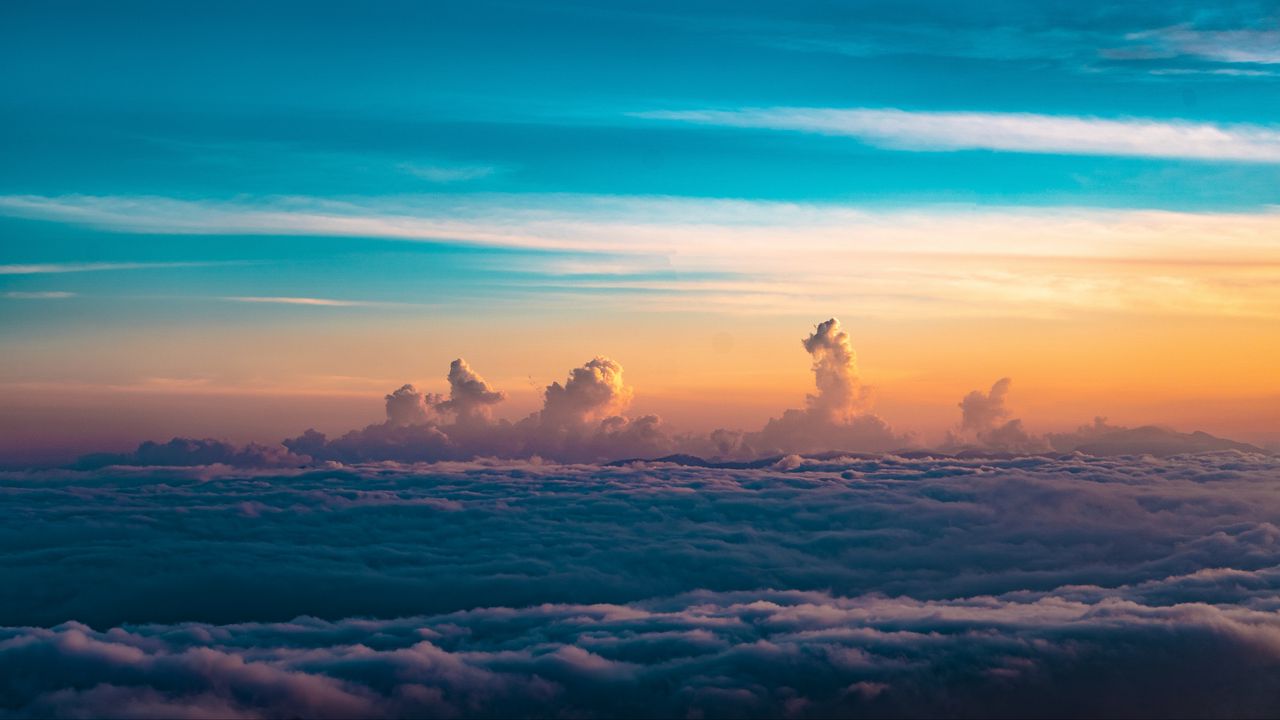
{"points": [[311, 301], [776, 256], [1260, 46], [76, 267], [1006, 132], [41, 295], [448, 173]]}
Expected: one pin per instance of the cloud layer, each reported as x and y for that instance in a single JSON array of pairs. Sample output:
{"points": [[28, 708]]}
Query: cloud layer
{"points": [[852, 586], [769, 257], [1008, 132]]}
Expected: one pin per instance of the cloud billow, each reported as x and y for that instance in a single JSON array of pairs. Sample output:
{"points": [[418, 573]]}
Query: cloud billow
{"points": [[584, 419], [885, 586]]}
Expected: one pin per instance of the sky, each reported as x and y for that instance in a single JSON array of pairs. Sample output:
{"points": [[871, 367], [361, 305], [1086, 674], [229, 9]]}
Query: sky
{"points": [[240, 220]]}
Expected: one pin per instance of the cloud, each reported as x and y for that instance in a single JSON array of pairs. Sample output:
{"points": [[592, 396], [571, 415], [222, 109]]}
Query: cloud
{"points": [[41, 295], [470, 397], [592, 392], [1102, 438], [981, 411], [193, 451], [448, 173], [873, 586], [755, 257], [1008, 132], [835, 370], [407, 406], [984, 421], [584, 420], [985, 425], [48, 268], [315, 302], [580, 421], [837, 417], [1250, 46]]}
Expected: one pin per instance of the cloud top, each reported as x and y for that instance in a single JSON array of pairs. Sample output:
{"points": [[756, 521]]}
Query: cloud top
{"points": [[881, 586]]}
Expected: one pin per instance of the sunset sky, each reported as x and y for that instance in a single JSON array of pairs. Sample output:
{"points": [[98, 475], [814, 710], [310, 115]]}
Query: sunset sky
{"points": [[239, 220]]}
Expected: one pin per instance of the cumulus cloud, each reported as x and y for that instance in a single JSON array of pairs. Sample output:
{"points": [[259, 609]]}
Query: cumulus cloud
{"points": [[853, 586], [470, 397], [836, 417], [592, 392], [407, 406], [584, 419], [835, 371], [985, 422]]}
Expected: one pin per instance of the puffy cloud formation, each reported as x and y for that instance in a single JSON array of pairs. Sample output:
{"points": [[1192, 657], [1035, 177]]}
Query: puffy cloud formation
{"points": [[853, 586], [407, 406], [592, 392], [470, 397], [580, 421], [584, 420], [984, 425], [836, 417], [980, 412], [983, 421], [835, 370]]}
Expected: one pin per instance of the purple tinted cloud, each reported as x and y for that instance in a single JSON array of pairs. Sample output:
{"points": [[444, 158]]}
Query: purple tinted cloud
{"points": [[877, 586]]}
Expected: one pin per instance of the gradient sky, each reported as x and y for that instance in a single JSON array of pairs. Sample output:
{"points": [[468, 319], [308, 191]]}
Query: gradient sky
{"points": [[243, 219]]}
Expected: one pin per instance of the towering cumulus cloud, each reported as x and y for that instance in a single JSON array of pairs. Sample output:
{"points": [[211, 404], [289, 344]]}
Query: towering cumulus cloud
{"points": [[470, 397], [984, 422], [835, 370], [407, 406], [584, 419], [592, 392], [836, 416], [581, 420]]}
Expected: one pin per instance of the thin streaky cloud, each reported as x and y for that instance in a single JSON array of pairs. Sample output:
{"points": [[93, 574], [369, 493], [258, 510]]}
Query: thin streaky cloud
{"points": [[54, 268], [684, 232], [1006, 132], [47, 295], [448, 173], [1044, 262], [318, 302], [1241, 45]]}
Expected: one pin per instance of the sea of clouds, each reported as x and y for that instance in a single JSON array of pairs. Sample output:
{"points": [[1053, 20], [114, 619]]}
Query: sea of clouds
{"points": [[887, 585]]}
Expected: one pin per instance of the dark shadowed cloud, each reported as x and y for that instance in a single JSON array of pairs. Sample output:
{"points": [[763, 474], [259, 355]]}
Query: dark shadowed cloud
{"points": [[862, 586]]}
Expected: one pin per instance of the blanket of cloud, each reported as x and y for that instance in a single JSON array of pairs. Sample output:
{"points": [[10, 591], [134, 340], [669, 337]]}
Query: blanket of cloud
{"points": [[846, 586]]}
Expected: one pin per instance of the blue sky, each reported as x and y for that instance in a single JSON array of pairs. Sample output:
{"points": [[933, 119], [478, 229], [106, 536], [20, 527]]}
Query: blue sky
{"points": [[169, 166]]}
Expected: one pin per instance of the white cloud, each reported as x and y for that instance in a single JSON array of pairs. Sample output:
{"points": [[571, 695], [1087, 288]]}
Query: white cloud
{"points": [[1243, 45], [53, 268], [315, 302], [1008, 132], [448, 173], [43, 295], [778, 257]]}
